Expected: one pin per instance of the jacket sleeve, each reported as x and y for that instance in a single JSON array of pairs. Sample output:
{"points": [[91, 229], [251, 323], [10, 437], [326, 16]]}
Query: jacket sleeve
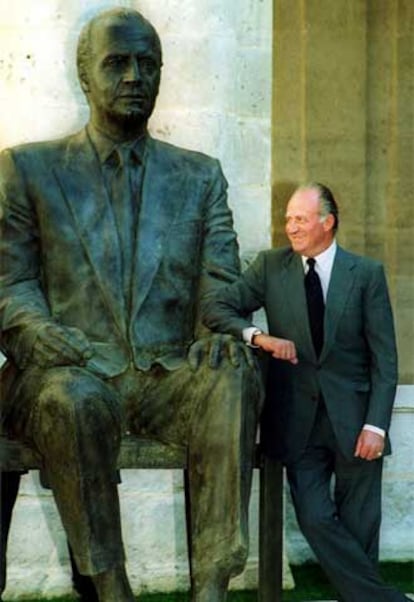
{"points": [[228, 310], [380, 336], [23, 307], [220, 263]]}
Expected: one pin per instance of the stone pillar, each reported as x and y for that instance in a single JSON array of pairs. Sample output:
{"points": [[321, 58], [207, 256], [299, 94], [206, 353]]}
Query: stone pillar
{"points": [[319, 105], [390, 158], [343, 115]]}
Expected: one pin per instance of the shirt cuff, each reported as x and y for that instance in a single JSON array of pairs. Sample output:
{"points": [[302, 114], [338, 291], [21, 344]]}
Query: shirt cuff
{"points": [[374, 429], [248, 334]]}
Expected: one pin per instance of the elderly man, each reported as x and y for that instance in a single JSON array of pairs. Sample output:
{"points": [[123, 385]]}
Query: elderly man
{"points": [[109, 240], [331, 384]]}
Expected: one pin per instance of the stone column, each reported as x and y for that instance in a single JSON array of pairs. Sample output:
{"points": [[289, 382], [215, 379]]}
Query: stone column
{"points": [[343, 115]]}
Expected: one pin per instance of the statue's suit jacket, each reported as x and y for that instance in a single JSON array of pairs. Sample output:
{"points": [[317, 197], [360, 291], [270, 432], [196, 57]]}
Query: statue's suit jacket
{"points": [[357, 370], [60, 253]]}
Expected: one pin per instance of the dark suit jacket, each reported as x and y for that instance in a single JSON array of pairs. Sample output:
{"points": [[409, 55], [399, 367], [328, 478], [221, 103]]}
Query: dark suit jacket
{"points": [[60, 255], [357, 369]]}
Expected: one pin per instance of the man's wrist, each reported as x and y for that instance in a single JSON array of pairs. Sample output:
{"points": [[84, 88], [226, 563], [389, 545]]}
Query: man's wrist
{"points": [[374, 429], [254, 338], [249, 334]]}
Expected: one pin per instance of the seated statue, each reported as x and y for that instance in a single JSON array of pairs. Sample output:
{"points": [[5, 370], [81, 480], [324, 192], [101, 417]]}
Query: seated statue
{"points": [[109, 239]]}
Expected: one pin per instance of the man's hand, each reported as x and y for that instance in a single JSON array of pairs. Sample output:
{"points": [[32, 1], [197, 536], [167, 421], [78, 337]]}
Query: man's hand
{"points": [[281, 349], [370, 445], [57, 345], [216, 348]]}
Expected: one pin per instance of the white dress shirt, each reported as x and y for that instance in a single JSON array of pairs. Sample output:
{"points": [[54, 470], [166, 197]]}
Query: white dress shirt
{"points": [[323, 266]]}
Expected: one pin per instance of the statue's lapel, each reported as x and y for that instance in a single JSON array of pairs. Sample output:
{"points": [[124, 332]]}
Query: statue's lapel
{"points": [[162, 196], [82, 186]]}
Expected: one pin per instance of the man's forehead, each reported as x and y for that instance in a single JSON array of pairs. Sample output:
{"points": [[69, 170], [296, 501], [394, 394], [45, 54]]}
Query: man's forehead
{"points": [[304, 200]]}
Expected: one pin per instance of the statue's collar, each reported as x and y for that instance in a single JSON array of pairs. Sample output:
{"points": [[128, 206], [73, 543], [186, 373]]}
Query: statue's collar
{"points": [[105, 146]]}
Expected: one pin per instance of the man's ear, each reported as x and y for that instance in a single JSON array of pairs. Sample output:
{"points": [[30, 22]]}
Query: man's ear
{"points": [[329, 222]]}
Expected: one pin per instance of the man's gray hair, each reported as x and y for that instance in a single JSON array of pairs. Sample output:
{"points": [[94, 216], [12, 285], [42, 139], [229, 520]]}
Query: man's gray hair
{"points": [[328, 205]]}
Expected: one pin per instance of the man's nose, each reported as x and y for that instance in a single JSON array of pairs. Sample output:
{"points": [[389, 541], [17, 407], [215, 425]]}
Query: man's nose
{"points": [[133, 71]]}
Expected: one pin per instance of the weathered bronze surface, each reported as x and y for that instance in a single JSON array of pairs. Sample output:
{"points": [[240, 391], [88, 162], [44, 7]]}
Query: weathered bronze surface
{"points": [[109, 239]]}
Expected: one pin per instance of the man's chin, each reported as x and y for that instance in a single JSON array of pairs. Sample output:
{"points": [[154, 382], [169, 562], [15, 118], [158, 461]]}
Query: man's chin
{"points": [[296, 246]]}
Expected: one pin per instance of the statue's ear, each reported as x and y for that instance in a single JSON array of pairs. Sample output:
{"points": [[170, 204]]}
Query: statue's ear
{"points": [[84, 84]]}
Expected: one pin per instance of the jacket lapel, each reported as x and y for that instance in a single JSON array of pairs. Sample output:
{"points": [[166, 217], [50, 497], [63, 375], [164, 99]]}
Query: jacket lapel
{"points": [[340, 285], [162, 195], [82, 185], [293, 283]]}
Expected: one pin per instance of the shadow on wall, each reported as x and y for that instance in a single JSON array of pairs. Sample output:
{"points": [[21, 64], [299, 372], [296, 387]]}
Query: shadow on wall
{"points": [[281, 193]]}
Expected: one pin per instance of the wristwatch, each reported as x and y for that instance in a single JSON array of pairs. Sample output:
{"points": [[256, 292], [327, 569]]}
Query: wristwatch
{"points": [[255, 332]]}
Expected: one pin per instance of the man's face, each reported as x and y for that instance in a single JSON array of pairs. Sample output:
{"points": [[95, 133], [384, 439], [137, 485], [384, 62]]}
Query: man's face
{"points": [[308, 235], [124, 73]]}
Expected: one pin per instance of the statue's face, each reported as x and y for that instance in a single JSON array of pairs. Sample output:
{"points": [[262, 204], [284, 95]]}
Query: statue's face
{"points": [[124, 73]]}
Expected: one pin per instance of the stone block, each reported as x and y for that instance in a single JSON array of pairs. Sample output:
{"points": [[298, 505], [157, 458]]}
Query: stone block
{"points": [[251, 211]]}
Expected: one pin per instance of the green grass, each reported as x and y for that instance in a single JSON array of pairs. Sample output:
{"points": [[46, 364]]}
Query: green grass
{"points": [[311, 584]]}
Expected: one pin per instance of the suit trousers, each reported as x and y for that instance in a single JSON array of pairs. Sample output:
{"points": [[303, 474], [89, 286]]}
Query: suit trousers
{"points": [[75, 420], [341, 520]]}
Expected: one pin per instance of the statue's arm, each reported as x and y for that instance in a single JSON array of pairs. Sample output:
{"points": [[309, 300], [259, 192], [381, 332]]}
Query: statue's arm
{"points": [[29, 334], [220, 262], [23, 307], [220, 266]]}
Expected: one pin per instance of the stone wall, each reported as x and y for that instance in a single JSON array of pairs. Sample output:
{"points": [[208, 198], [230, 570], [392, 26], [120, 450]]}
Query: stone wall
{"points": [[343, 114]]}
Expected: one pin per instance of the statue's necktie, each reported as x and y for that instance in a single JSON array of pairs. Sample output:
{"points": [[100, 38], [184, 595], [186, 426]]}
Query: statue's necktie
{"points": [[316, 306], [122, 199]]}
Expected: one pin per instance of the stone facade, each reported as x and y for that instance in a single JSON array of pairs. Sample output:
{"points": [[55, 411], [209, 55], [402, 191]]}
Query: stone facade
{"points": [[216, 97], [343, 115]]}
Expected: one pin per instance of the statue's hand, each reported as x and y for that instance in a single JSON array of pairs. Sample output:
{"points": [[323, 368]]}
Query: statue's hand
{"points": [[216, 348], [57, 345]]}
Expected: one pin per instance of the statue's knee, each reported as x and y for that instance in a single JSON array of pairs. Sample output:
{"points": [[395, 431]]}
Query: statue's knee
{"points": [[71, 397]]}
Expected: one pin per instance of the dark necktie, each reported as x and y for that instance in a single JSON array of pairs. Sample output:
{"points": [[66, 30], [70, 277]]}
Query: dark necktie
{"points": [[316, 306], [122, 202]]}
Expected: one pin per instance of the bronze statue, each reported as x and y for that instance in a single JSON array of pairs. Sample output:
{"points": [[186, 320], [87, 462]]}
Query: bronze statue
{"points": [[108, 240]]}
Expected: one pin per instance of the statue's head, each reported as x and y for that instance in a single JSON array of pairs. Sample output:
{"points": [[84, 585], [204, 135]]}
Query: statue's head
{"points": [[119, 65]]}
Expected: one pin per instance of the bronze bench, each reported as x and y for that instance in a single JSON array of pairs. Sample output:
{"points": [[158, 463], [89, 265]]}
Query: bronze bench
{"points": [[143, 453]]}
